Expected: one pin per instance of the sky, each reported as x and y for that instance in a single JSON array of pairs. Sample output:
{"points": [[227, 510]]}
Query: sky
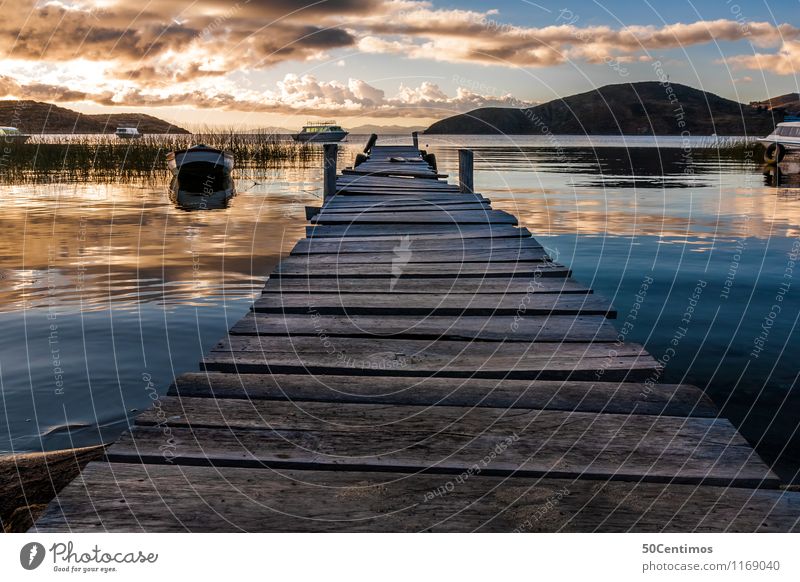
{"points": [[261, 63]]}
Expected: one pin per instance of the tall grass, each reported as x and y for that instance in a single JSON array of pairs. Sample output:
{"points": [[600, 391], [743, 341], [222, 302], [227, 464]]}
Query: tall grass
{"points": [[737, 150], [77, 158]]}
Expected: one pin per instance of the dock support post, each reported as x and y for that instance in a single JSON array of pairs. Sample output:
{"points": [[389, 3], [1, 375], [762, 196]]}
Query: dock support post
{"points": [[329, 170], [370, 142], [465, 183], [415, 138]]}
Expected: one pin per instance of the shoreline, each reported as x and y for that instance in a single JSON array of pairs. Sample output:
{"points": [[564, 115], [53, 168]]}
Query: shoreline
{"points": [[29, 481]]}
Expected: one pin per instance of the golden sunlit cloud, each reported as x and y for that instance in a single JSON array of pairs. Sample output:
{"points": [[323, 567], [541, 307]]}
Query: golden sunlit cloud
{"points": [[183, 53]]}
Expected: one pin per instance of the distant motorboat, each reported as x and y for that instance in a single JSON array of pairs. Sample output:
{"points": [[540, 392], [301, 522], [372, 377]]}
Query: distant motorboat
{"points": [[786, 137], [208, 194], [199, 162], [320, 131], [127, 132], [11, 135]]}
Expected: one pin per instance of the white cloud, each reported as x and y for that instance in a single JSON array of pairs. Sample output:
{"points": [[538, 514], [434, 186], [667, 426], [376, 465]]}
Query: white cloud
{"points": [[190, 63], [294, 94], [785, 62]]}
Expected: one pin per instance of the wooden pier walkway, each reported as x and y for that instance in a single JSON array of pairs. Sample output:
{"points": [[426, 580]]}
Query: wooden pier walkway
{"points": [[419, 363]]}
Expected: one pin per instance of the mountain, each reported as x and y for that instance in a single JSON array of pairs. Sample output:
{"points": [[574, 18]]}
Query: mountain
{"points": [[789, 102], [385, 129], [36, 117], [629, 108]]}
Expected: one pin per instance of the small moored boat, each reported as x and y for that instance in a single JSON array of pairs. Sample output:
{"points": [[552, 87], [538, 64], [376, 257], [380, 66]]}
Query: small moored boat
{"points": [[208, 194], [786, 137], [11, 135], [199, 162], [320, 131], [127, 132]]}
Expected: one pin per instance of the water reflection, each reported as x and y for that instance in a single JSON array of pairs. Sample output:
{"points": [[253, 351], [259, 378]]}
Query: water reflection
{"points": [[85, 246], [138, 287], [212, 193], [665, 193], [783, 175]]}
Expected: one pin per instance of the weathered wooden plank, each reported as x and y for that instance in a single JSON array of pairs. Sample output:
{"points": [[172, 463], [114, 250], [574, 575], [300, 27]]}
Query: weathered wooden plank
{"points": [[388, 168], [394, 176], [440, 216], [545, 443], [430, 230], [391, 202], [606, 397], [566, 328], [409, 154], [323, 245], [393, 184], [434, 285], [398, 158], [486, 237], [430, 304], [115, 497], [386, 152], [395, 181], [406, 252], [454, 359], [387, 171], [305, 266], [406, 194], [355, 190], [385, 176], [332, 208]]}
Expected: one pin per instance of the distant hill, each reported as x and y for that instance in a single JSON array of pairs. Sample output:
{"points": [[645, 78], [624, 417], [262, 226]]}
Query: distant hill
{"points": [[36, 117], [384, 129], [629, 108], [788, 102]]}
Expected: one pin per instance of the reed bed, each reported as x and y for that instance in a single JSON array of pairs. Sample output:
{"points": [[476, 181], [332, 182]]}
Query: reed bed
{"points": [[76, 158], [736, 150], [734, 146]]}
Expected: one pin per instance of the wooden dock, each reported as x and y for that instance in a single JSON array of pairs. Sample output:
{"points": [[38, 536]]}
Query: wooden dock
{"points": [[418, 363]]}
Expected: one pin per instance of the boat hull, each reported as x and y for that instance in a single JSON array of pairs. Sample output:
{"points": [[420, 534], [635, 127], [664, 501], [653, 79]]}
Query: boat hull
{"points": [[320, 137], [210, 194], [199, 163], [788, 143], [14, 139]]}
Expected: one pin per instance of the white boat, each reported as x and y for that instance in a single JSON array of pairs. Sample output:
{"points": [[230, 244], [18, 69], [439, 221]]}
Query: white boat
{"points": [[11, 135], [199, 162], [786, 137], [127, 132], [320, 131]]}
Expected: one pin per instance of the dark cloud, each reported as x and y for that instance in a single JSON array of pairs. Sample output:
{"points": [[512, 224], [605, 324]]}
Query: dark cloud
{"points": [[160, 47], [52, 93], [325, 38], [126, 32]]}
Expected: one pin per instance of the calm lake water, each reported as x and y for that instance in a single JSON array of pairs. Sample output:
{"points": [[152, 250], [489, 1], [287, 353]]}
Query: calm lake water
{"points": [[107, 291]]}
